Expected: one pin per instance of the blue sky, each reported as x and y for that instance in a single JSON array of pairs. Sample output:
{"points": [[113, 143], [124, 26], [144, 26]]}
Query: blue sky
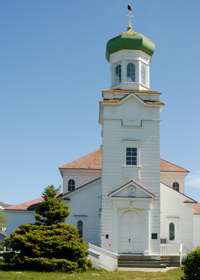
{"points": [[52, 70]]}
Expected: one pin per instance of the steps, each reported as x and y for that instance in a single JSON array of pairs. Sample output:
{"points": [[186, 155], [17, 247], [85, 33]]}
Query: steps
{"points": [[170, 261], [140, 261]]}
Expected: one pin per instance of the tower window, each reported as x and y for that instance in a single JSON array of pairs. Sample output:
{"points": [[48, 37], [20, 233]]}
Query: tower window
{"points": [[143, 74], [176, 186], [131, 72], [71, 185], [171, 231], [131, 156], [118, 73], [80, 227]]}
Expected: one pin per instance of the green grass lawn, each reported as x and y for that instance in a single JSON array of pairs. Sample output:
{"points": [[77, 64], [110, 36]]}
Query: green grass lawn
{"points": [[93, 275]]}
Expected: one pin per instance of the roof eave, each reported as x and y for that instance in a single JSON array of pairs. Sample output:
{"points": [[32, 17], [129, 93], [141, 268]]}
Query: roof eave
{"points": [[172, 171], [79, 168]]}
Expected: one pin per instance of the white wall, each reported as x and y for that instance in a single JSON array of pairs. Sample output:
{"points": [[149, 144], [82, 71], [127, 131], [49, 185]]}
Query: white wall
{"points": [[169, 178], [17, 218], [85, 205], [81, 177], [143, 131], [196, 223], [174, 209]]}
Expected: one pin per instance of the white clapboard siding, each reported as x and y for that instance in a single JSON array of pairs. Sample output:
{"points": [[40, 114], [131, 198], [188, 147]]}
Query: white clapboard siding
{"points": [[176, 209], [116, 136], [85, 205], [81, 177]]}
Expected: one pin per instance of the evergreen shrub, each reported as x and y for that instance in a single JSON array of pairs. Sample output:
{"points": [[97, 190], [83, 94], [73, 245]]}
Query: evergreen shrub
{"points": [[191, 265], [49, 244]]}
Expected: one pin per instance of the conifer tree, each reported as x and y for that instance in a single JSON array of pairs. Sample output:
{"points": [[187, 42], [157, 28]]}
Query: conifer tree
{"points": [[49, 244], [52, 210]]}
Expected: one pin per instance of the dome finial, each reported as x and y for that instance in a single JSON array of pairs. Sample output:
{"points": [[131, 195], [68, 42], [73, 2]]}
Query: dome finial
{"points": [[130, 18]]}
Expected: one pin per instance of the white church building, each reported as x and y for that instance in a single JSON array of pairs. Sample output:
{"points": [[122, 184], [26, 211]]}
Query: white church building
{"points": [[123, 198]]}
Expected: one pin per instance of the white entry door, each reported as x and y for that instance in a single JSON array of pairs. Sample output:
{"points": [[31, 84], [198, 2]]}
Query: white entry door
{"points": [[132, 232]]}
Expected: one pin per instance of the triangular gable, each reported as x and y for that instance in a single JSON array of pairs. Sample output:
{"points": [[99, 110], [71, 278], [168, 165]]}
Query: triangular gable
{"points": [[82, 187], [122, 100], [132, 95], [188, 199], [132, 189], [148, 103]]}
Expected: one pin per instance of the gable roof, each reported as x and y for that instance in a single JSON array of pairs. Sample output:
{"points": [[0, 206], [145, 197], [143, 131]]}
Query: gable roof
{"points": [[27, 205], [141, 92], [138, 185], [166, 166], [117, 101], [93, 161], [89, 161], [30, 205], [196, 209]]}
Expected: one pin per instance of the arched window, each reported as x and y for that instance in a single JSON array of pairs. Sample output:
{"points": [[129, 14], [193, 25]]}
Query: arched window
{"points": [[131, 72], [171, 231], [71, 185], [118, 73], [176, 186], [80, 227]]}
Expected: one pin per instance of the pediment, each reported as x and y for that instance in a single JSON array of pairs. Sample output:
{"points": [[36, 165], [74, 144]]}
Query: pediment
{"points": [[131, 189], [134, 97]]}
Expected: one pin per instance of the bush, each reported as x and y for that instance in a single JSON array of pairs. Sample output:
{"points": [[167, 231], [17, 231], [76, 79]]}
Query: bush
{"points": [[191, 265], [45, 264], [47, 248], [49, 244], [51, 264], [52, 210]]}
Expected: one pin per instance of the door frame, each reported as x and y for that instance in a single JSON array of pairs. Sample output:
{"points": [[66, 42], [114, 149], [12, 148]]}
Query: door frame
{"points": [[123, 212], [124, 204]]}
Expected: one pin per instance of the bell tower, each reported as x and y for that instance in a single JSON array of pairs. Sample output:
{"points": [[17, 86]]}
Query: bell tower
{"points": [[130, 120], [129, 55]]}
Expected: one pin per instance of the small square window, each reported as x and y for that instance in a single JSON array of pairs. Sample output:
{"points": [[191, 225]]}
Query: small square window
{"points": [[154, 236], [131, 156]]}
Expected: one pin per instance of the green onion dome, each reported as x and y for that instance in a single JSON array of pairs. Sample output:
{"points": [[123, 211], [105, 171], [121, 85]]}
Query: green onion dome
{"points": [[130, 40]]}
